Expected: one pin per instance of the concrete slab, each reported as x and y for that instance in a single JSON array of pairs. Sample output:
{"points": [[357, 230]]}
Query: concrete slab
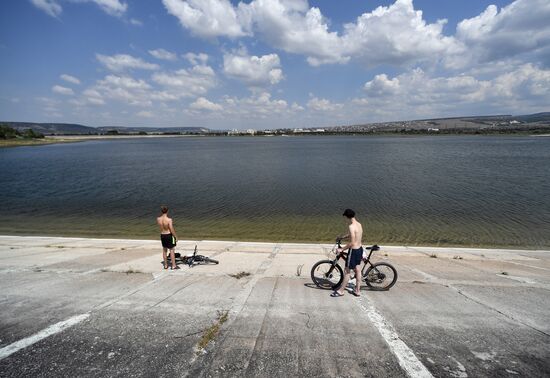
{"points": [[459, 317], [30, 259], [293, 265], [451, 333]]}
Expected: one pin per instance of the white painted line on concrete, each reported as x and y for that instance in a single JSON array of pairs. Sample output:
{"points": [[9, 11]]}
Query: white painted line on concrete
{"points": [[51, 330], [516, 278], [408, 361], [527, 265]]}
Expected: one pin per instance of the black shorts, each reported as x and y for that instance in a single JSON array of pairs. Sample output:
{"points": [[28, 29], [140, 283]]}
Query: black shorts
{"points": [[168, 241], [354, 258]]}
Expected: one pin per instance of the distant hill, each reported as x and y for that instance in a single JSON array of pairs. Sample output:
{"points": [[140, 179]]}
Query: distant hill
{"points": [[537, 117], [539, 122], [505, 123], [53, 128], [76, 129]]}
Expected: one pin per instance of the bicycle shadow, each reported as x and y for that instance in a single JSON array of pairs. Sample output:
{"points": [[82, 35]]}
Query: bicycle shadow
{"points": [[349, 289]]}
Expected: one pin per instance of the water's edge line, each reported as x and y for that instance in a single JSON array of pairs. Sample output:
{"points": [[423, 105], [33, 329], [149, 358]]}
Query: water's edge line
{"points": [[68, 238]]}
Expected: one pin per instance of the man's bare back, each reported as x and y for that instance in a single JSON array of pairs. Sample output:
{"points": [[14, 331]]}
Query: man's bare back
{"points": [[168, 237], [165, 224]]}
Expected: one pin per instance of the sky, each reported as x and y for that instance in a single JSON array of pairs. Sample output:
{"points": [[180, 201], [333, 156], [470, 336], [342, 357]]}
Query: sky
{"points": [[266, 64]]}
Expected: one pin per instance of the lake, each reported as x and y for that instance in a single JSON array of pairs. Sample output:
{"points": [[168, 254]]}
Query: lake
{"points": [[428, 190]]}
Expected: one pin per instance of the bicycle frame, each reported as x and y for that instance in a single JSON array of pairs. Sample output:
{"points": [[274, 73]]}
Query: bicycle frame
{"points": [[366, 260]]}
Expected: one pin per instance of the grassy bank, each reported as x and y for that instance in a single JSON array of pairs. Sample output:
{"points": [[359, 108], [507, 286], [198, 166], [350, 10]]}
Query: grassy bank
{"points": [[34, 142]]}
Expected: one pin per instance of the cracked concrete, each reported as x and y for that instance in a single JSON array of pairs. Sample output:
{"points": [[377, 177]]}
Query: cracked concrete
{"points": [[457, 316]]}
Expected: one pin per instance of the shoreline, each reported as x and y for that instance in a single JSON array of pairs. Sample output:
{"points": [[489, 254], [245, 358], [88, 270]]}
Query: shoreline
{"points": [[55, 139], [287, 242]]}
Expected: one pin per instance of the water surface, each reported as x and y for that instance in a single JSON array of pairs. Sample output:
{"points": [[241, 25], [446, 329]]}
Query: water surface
{"points": [[441, 190]]}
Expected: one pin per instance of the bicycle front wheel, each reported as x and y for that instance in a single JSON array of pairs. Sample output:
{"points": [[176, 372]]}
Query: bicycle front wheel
{"points": [[327, 275], [380, 276]]}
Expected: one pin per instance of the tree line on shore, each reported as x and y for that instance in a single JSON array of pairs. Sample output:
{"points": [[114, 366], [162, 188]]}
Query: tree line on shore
{"points": [[7, 132]]}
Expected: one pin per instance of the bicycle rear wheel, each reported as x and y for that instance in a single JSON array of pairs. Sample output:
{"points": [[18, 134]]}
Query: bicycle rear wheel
{"points": [[208, 260], [325, 274], [380, 276]]}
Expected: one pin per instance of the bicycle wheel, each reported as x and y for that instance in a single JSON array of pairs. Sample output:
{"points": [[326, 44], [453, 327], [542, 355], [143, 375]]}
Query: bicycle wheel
{"points": [[208, 260], [380, 276], [327, 275]]}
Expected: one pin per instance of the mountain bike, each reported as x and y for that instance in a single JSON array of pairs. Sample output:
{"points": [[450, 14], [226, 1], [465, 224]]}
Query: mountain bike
{"points": [[328, 274], [194, 259]]}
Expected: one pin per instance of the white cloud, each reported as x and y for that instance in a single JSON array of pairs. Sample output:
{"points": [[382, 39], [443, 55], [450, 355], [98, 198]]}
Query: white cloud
{"points": [[207, 18], [121, 62], [93, 97], [112, 7], [257, 106], [194, 59], [145, 114], [62, 90], [253, 70], [521, 27], [70, 79], [294, 27], [381, 85], [163, 54], [136, 22], [323, 105], [396, 34], [202, 103], [192, 82], [416, 94], [51, 7], [120, 88]]}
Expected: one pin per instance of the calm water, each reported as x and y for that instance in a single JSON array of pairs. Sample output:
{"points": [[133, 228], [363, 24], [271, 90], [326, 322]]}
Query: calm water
{"points": [[406, 190]]}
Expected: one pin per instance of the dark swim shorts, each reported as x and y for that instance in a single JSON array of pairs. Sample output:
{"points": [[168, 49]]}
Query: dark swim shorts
{"points": [[354, 258], [168, 241]]}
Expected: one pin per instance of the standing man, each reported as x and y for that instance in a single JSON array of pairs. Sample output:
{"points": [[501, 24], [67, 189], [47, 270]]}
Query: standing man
{"points": [[168, 237], [355, 254]]}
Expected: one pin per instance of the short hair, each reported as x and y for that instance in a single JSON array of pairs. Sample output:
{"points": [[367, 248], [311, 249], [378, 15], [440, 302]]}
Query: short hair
{"points": [[164, 209], [349, 213]]}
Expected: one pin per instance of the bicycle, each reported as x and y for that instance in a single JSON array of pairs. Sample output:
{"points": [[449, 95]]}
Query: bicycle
{"points": [[328, 274], [194, 259]]}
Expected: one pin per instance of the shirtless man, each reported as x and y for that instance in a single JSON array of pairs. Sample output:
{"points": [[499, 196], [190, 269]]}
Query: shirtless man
{"points": [[168, 237], [355, 254]]}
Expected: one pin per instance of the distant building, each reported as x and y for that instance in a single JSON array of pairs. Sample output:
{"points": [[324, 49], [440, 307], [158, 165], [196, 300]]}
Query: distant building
{"points": [[251, 131], [433, 129], [319, 130]]}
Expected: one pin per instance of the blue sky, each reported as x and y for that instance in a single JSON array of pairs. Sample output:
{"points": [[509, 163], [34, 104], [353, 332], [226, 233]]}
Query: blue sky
{"points": [[270, 63]]}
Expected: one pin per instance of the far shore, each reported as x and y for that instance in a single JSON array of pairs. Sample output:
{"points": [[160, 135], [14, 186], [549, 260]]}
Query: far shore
{"points": [[53, 139]]}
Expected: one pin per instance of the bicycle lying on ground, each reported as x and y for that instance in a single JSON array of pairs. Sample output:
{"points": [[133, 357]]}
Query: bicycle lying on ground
{"points": [[194, 259], [328, 274]]}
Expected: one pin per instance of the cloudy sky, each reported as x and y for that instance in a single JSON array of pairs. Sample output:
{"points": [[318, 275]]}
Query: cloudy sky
{"points": [[270, 63]]}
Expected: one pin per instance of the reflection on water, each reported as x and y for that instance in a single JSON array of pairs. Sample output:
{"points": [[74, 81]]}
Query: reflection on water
{"points": [[420, 190]]}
